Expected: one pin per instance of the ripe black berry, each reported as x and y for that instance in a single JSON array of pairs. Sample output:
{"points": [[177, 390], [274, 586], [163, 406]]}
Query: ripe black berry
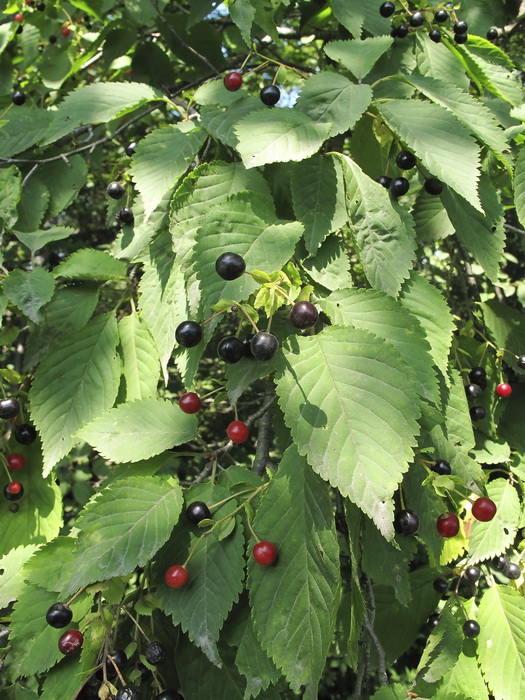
{"points": [[472, 573], [471, 628], [197, 511], [230, 266], [433, 186], [270, 95], [460, 27], [399, 186], [521, 361], [40, 6], [435, 35], [433, 620], [129, 692], [120, 659], [18, 97], [230, 349], [9, 407], [247, 347], [512, 570], [405, 160], [188, 334], [303, 314], [492, 34], [461, 38], [25, 434], [477, 413], [131, 148], [115, 190], [473, 391], [387, 9], [417, 19], [70, 641], [384, 180], [59, 616], [500, 562], [476, 374], [441, 16], [52, 39], [406, 522], [169, 695], [400, 31], [125, 216], [14, 508], [440, 586], [155, 653], [442, 467], [264, 345]]}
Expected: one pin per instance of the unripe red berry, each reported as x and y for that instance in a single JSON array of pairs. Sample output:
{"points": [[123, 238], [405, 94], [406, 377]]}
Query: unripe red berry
{"points": [[15, 461], [176, 576], [504, 390], [484, 509], [264, 553], [447, 525], [233, 81], [190, 403], [238, 431]]}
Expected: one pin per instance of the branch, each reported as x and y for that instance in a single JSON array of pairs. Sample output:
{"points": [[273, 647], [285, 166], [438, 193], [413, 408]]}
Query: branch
{"points": [[513, 229], [369, 627], [264, 436]]}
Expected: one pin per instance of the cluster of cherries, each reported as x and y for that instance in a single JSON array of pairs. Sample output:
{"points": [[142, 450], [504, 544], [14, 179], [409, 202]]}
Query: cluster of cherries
{"points": [[478, 383], [264, 552], [116, 191], [270, 94], [24, 434], [398, 186], [261, 346]]}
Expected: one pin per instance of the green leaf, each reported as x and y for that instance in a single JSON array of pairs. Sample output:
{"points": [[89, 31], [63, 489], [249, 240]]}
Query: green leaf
{"points": [[351, 18], [505, 326], [482, 235], [74, 385], [492, 538], [37, 570], [388, 319], [428, 305], [67, 178], [295, 602], [359, 56], [329, 267], [33, 204], [383, 230], [199, 678], [216, 572], [243, 14], [213, 92], [162, 158], [38, 239], [11, 185], [139, 430], [123, 527], [140, 359], [465, 677], [443, 647], [278, 136], [318, 198], [88, 263], [30, 290], [431, 219], [97, 104], [22, 128], [11, 580], [436, 60], [330, 98], [501, 655], [220, 123], [443, 134], [519, 186]]}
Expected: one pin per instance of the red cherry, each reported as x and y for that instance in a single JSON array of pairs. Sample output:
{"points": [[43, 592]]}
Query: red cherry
{"points": [[70, 642], [233, 81], [79, 20], [176, 576], [238, 431], [504, 390], [484, 509], [447, 525], [264, 553], [65, 31], [190, 403], [14, 487], [19, 17], [16, 461]]}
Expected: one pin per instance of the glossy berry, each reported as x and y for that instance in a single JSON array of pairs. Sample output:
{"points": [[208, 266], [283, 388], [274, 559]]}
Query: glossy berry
{"points": [[176, 576], [400, 31], [246, 345], [471, 628], [435, 36], [197, 511], [264, 553], [13, 491], [40, 6], [25, 434], [387, 9], [238, 431], [442, 467], [460, 27], [129, 692], [16, 461], [399, 186], [477, 413], [190, 403], [264, 345], [70, 642], [500, 562], [120, 659], [406, 522], [230, 349], [168, 694], [59, 616], [433, 620], [131, 149], [461, 38], [233, 81], [521, 361], [504, 390], [230, 266], [472, 573], [65, 31], [512, 570], [441, 16], [126, 216], [473, 391], [384, 180], [417, 19], [19, 29], [492, 34], [52, 39], [303, 314], [476, 375], [188, 334], [270, 95], [155, 653], [19, 17], [484, 509], [405, 160], [433, 186], [447, 525], [440, 586], [115, 190], [9, 407]]}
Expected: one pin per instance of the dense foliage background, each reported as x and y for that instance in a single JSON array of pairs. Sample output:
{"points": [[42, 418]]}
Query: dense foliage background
{"points": [[349, 421]]}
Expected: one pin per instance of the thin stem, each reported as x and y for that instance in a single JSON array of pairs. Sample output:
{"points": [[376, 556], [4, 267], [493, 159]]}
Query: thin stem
{"points": [[136, 624], [75, 596]]}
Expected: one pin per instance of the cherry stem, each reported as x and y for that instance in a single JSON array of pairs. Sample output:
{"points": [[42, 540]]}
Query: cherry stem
{"points": [[214, 391], [79, 592], [9, 476], [241, 307], [214, 316], [245, 60], [117, 670], [225, 500], [136, 623], [252, 530]]}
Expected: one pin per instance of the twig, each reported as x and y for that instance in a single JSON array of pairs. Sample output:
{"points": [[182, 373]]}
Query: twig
{"points": [[369, 627], [264, 436], [513, 229]]}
